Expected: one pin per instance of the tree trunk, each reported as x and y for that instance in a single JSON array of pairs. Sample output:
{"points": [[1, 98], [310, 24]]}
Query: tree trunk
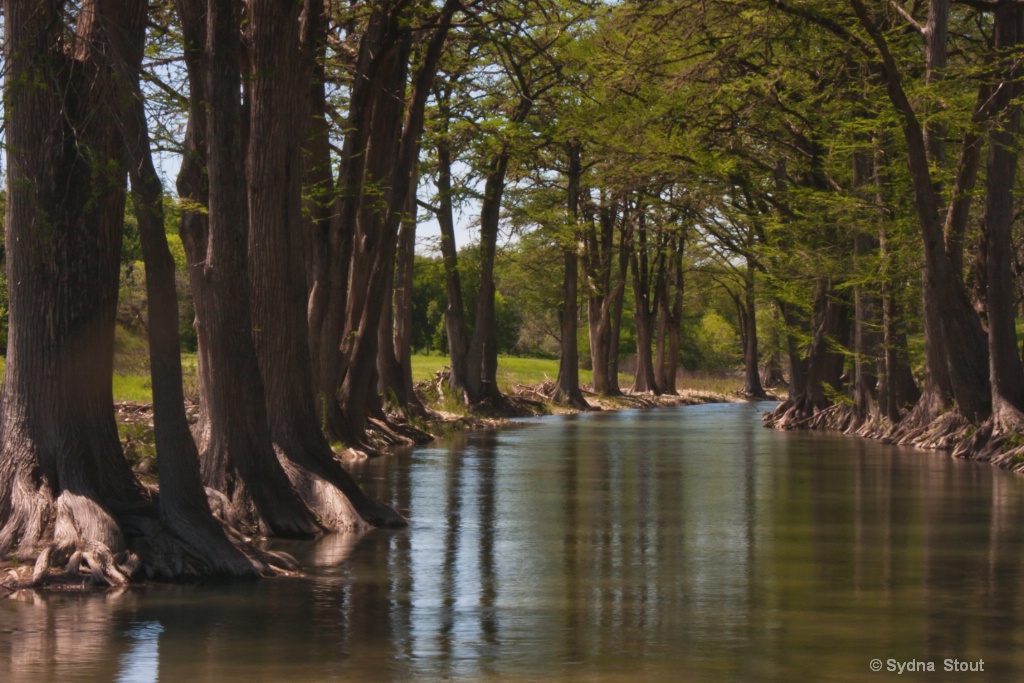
{"points": [[402, 340], [751, 371], [278, 284], [482, 355], [567, 386], [392, 149], [238, 458], [600, 300], [670, 314], [897, 389], [184, 507], [643, 315], [454, 312], [1006, 372], [618, 298], [62, 471], [865, 346], [68, 498], [797, 360], [771, 373], [824, 366]]}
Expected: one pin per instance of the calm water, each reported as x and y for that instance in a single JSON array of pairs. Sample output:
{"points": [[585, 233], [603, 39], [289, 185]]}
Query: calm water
{"points": [[676, 544]]}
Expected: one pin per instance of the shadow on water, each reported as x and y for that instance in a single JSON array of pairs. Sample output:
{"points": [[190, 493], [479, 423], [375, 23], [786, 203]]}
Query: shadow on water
{"points": [[667, 544]]}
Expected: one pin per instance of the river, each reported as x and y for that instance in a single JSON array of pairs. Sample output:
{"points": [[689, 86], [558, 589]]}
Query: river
{"points": [[672, 544]]}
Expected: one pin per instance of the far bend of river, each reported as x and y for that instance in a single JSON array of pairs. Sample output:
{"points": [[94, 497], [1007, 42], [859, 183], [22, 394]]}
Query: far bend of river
{"points": [[672, 544]]}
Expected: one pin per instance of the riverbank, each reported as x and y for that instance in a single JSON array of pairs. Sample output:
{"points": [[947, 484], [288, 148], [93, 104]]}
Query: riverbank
{"points": [[997, 442], [446, 415]]}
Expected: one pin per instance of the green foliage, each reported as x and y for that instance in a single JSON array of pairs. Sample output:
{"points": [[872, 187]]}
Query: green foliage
{"points": [[717, 342]]}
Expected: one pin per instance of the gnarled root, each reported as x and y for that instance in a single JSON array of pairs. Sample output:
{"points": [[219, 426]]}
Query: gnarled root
{"points": [[86, 546], [800, 412], [942, 433], [997, 440], [83, 544]]}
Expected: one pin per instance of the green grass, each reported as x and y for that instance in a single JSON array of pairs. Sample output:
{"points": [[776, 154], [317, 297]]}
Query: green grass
{"points": [[425, 367], [511, 369], [515, 370], [132, 382], [134, 388]]}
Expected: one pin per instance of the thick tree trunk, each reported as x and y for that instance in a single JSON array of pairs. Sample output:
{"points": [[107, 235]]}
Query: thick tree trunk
{"points": [[601, 297], [68, 498], [278, 284], [184, 507], [824, 366], [63, 476], [238, 458], [482, 356], [1006, 372]]}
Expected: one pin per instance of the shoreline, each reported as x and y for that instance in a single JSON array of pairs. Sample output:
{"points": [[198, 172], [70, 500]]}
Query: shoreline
{"points": [[531, 400], [988, 442]]}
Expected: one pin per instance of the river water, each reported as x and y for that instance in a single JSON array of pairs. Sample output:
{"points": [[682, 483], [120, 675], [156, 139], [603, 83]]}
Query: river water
{"points": [[672, 544]]}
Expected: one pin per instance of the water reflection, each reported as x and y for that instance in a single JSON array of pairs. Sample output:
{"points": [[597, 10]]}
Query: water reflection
{"points": [[676, 544]]}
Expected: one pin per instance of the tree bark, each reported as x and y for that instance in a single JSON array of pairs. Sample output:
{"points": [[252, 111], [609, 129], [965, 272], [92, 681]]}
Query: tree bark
{"points": [[68, 498], [1006, 372], [567, 386], [402, 340], [62, 471], [643, 315], [751, 370], [278, 283], [238, 455], [670, 314], [618, 299], [454, 312], [601, 298], [482, 355], [184, 507], [392, 148]]}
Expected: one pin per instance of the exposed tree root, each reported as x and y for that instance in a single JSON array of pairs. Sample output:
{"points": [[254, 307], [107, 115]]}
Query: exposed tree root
{"points": [[999, 440], [799, 412], [332, 507], [945, 432], [83, 545]]}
